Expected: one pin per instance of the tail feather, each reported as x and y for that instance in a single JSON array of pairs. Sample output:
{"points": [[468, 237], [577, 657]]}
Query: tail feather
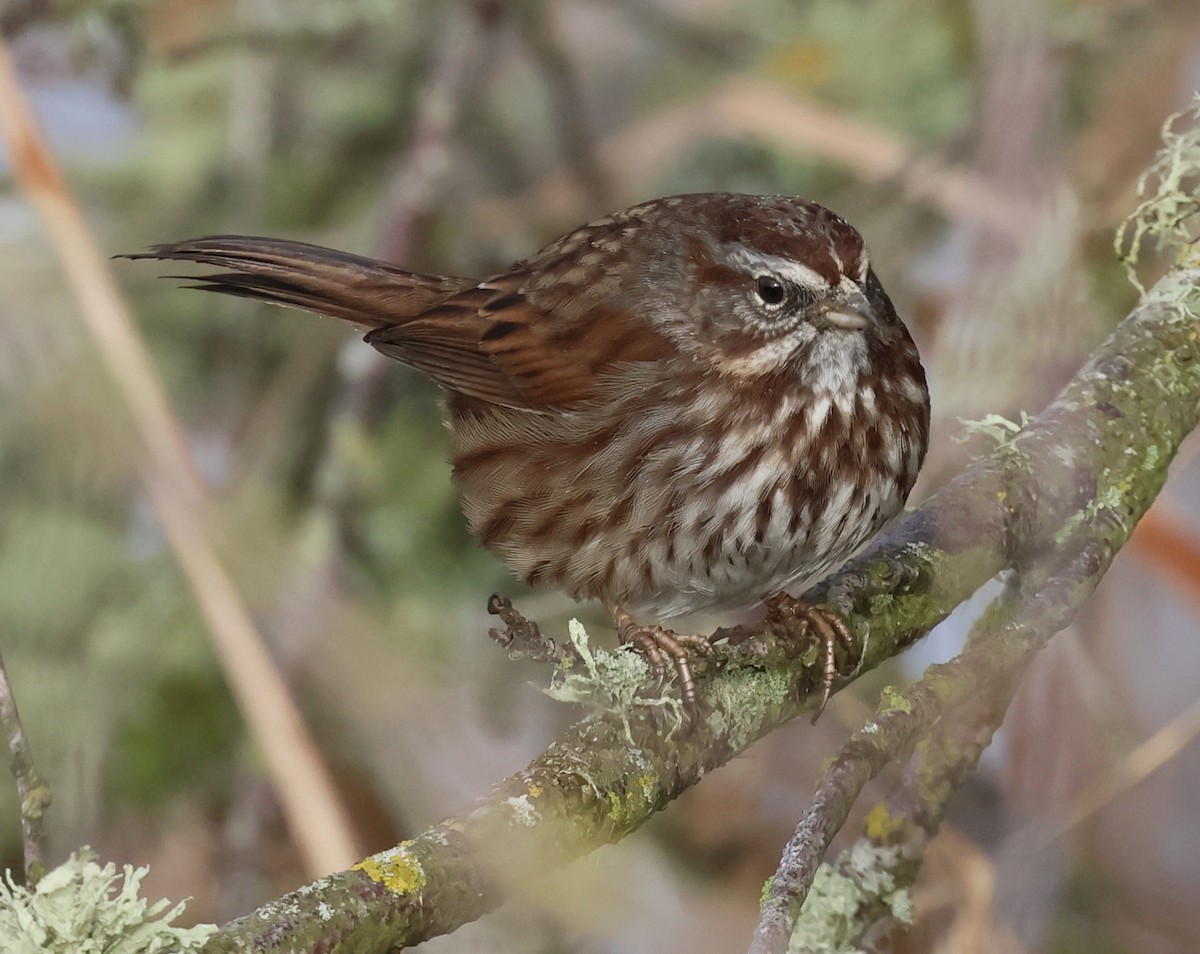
{"points": [[350, 287]]}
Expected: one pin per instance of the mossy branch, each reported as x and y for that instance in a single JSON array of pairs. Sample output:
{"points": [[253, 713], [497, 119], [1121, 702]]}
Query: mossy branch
{"points": [[32, 790], [1077, 476]]}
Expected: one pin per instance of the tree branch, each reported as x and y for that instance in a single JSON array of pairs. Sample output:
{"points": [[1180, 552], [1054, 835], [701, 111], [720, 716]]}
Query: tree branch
{"points": [[952, 712], [32, 790]]}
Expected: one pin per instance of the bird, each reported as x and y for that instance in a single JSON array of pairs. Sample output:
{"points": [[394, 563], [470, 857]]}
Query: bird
{"points": [[699, 403]]}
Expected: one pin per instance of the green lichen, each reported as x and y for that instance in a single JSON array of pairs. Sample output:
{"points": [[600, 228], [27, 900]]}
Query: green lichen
{"points": [[892, 699], [397, 869], [1167, 214], [995, 426], [738, 704], [82, 907], [609, 681], [862, 879], [898, 611], [628, 808]]}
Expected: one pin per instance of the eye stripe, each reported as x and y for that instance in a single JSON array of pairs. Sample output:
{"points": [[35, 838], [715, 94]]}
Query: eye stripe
{"points": [[787, 270], [777, 294]]}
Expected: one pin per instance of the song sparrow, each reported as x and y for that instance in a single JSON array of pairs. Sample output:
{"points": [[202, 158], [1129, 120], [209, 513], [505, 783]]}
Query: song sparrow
{"points": [[693, 404]]}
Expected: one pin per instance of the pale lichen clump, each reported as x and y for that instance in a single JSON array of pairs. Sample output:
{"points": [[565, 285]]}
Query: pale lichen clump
{"points": [[82, 907], [994, 426], [862, 878], [1167, 214], [740, 700], [610, 681]]}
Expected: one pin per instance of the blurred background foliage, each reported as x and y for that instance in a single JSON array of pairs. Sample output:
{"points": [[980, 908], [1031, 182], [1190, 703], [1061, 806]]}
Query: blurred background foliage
{"points": [[985, 148]]}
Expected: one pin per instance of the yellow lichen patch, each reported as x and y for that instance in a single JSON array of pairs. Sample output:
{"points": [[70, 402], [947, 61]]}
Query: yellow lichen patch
{"points": [[881, 826], [892, 699], [632, 804], [534, 790], [396, 869]]}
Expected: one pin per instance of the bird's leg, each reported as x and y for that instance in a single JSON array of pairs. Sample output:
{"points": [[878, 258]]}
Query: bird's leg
{"points": [[827, 625], [656, 643]]}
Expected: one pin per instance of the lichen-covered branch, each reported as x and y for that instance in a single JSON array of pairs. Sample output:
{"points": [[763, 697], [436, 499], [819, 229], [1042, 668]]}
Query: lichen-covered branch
{"points": [[1070, 485], [32, 790], [951, 713]]}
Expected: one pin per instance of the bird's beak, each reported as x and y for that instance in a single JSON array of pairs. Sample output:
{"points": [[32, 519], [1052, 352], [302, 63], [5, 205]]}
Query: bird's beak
{"points": [[853, 312]]}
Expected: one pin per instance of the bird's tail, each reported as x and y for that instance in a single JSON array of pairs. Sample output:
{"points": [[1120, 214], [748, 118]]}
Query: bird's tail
{"points": [[355, 289]]}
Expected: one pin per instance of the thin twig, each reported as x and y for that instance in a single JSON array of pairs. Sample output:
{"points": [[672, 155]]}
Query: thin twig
{"points": [[976, 687], [1131, 770], [317, 819], [32, 790]]}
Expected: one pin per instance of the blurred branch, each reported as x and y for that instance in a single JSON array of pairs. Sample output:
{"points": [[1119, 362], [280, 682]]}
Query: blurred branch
{"points": [[18, 14], [317, 820], [33, 792], [462, 59], [1063, 494], [566, 97], [963, 702], [466, 50], [757, 109]]}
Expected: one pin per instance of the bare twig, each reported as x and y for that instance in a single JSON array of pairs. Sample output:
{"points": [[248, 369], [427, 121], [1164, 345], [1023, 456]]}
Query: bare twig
{"points": [[32, 790], [317, 819], [1131, 770], [524, 639]]}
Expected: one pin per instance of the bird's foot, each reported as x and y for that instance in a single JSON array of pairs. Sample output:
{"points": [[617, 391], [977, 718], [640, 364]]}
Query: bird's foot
{"points": [[827, 626], [656, 644]]}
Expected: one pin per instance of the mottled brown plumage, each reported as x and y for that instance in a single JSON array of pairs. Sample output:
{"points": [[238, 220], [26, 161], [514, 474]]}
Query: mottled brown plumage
{"points": [[690, 405]]}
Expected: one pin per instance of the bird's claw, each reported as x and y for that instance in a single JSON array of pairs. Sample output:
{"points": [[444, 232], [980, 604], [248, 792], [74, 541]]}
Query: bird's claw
{"points": [[656, 644], [829, 628]]}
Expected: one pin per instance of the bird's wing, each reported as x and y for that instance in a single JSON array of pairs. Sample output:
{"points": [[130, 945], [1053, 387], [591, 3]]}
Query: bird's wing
{"points": [[504, 343]]}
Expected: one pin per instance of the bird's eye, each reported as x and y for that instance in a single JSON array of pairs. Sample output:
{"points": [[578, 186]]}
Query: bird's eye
{"points": [[770, 290]]}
